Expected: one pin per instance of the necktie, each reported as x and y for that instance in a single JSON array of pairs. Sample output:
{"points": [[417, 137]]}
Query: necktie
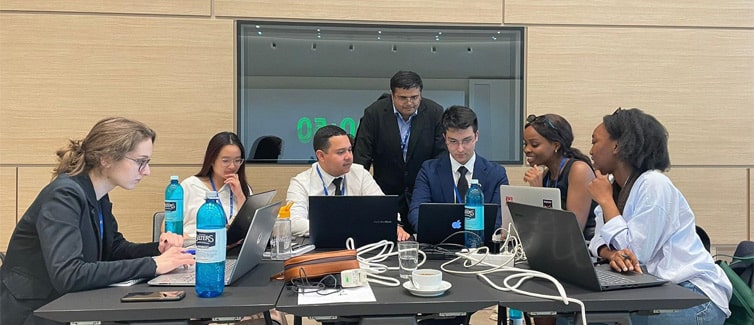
{"points": [[463, 184], [337, 182]]}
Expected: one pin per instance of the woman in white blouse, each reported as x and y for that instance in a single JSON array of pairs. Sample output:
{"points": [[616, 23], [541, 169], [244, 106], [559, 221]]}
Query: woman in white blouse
{"points": [[223, 171]]}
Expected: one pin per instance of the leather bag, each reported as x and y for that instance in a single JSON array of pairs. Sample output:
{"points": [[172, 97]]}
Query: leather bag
{"points": [[317, 265]]}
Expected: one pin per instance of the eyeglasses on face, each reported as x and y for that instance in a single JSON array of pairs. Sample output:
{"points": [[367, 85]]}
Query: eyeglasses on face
{"points": [[226, 162], [456, 143], [142, 162], [540, 119]]}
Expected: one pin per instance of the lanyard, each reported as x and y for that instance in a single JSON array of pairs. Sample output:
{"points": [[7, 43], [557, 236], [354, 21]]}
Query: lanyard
{"points": [[220, 200], [101, 224], [562, 162], [324, 186], [404, 140]]}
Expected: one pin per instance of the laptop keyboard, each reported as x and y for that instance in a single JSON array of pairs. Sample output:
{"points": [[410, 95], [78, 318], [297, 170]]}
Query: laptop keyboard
{"points": [[189, 275], [612, 278]]}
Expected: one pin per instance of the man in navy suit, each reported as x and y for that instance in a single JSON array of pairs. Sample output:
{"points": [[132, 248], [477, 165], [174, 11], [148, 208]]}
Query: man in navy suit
{"points": [[446, 179]]}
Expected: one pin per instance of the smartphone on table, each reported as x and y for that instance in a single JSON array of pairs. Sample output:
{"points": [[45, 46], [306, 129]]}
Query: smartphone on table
{"points": [[142, 296]]}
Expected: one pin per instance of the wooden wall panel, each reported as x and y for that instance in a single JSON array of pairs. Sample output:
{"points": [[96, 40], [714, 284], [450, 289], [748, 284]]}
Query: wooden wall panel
{"points": [[268, 177], [62, 73], [751, 203], [172, 7], [697, 82], [7, 205], [420, 11], [726, 13], [718, 198]]}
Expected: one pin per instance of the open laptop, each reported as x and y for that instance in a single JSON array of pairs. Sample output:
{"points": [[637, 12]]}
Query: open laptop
{"points": [[248, 257], [366, 219], [437, 221], [554, 244], [546, 197], [240, 225]]}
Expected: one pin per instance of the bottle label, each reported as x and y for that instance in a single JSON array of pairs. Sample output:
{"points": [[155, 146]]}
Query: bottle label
{"points": [[210, 245], [170, 206], [474, 218], [171, 211]]}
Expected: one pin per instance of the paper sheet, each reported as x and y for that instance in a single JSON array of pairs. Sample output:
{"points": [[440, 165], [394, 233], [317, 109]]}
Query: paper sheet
{"points": [[357, 294]]}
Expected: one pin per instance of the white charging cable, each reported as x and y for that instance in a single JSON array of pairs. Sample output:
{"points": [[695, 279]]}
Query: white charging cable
{"points": [[472, 259], [373, 264]]}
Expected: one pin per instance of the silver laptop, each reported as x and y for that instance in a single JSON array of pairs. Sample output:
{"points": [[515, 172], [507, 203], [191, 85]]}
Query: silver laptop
{"points": [[546, 197], [249, 256], [554, 244], [240, 225]]}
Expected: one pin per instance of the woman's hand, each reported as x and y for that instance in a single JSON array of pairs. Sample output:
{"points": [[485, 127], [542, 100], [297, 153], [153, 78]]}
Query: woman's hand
{"points": [[171, 259], [235, 186], [600, 188], [168, 240], [623, 260], [534, 176]]}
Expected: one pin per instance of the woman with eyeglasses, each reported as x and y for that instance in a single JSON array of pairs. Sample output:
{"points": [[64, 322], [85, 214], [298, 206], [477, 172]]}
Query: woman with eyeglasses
{"points": [[643, 218], [223, 171], [554, 163], [68, 239]]}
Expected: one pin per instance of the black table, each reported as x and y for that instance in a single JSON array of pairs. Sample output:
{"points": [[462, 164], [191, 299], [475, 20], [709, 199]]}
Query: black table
{"points": [[600, 306], [465, 296], [251, 294]]}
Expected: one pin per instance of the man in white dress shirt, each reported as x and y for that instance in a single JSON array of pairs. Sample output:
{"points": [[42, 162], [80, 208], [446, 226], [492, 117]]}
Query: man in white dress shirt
{"points": [[334, 173]]}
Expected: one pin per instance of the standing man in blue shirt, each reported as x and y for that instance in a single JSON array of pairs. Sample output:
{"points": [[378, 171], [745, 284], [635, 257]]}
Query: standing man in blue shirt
{"points": [[447, 178], [396, 135]]}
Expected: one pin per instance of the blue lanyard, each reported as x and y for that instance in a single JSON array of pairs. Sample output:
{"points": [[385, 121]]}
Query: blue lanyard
{"points": [[324, 186], [101, 224], [562, 162], [230, 215], [404, 140]]}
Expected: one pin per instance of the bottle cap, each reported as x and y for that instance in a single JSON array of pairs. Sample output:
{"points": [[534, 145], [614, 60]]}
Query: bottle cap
{"points": [[212, 195], [174, 177], [285, 211]]}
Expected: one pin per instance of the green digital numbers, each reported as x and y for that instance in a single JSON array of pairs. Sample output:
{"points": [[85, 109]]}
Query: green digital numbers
{"points": [[306, 127]]}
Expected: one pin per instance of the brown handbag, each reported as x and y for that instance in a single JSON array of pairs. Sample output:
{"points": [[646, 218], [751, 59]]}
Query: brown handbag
{"points": [[317, 265]]}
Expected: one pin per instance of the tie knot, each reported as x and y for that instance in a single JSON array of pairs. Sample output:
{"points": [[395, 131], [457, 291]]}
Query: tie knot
{"points": [[462, 170]]}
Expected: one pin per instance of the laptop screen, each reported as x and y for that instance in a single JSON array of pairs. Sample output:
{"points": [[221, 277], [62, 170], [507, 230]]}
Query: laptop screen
{"points": [[366, 219]]}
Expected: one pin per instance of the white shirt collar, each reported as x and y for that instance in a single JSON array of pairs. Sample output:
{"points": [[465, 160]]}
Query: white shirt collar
{"points": [[454, 165]]}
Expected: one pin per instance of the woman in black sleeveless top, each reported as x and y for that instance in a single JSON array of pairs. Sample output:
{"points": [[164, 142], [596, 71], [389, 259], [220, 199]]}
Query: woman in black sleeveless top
{"points": [[547, 143]]}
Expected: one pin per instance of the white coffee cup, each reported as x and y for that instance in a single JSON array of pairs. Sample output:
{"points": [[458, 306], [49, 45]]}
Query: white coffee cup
{"points": [[426, 279]]}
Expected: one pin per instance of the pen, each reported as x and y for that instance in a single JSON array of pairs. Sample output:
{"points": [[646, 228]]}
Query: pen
{"points": [[190, 251]]}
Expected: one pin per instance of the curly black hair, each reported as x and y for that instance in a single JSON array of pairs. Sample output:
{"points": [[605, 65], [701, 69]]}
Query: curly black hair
{"points": [[642, 139]]}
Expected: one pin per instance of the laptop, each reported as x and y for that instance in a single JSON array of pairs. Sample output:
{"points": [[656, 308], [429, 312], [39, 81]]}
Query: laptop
{"points": [[248, 257], [546, 197], [366, 219], [240, 225], [437, 221], [554, 244]]}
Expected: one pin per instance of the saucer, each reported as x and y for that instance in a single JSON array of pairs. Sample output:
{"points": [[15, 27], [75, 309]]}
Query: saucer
{"points": [[444, 286]]}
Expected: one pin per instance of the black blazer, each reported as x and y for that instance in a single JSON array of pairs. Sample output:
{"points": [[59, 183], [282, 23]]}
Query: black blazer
{"points": [[55, 249], [378, 143]]}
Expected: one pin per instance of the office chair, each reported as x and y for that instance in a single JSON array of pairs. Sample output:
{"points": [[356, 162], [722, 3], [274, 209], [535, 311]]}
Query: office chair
{"points": [[704, 237], [158, 219]]}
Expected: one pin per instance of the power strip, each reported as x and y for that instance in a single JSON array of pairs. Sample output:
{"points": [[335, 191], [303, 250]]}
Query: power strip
{"points": [[502, 259]]}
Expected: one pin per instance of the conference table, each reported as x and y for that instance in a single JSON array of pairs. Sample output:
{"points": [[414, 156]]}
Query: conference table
{"points": [[255, 293], [252, 294], [469, 293]]}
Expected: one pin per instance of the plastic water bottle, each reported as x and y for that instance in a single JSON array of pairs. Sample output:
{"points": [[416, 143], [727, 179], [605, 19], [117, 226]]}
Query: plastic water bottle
{"points": [[280, 241], [211, 238], [516, 316], [474, 215], [174, 207]]}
